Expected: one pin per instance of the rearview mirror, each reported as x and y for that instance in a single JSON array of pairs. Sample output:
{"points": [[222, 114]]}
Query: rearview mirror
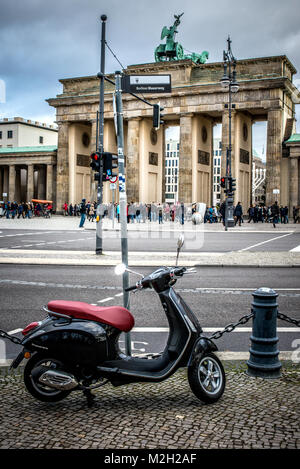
{"points": [[180, 241], [120, 269]]}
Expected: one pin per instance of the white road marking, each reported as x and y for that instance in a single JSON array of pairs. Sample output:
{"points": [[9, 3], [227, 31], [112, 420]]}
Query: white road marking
{"points": [[296, 249], [119, 294], [264, 242], [211, 329], [166, 329], [104, 300]]}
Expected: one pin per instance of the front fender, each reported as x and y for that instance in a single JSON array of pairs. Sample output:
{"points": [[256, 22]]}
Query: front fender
{"points": [[202, 344]]}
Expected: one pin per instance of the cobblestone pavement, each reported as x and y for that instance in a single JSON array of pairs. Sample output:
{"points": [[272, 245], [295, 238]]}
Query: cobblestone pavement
{"points": [[253, 413]]}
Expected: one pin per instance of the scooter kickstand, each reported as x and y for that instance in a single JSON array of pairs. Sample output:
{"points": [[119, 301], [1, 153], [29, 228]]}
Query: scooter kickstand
{"points": [[90, 397]]}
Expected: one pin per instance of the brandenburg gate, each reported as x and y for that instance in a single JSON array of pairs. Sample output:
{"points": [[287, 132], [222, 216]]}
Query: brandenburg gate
{"points": [[196, 104]]}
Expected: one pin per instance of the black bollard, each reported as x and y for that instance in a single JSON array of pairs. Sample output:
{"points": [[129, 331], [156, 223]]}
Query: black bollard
{"points": [[263, 361]]}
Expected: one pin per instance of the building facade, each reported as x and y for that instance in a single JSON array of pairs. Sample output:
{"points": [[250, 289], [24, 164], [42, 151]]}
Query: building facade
{"points": [[27, 160]]}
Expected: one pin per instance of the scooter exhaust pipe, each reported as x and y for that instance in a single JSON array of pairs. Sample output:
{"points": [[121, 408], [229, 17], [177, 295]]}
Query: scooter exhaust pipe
{"points": [[58, 380]]}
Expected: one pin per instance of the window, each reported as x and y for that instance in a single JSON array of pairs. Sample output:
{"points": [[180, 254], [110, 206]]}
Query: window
{"points": [[177, 146], [9, 134], [168, 146], [41, 139], [1, 135]]}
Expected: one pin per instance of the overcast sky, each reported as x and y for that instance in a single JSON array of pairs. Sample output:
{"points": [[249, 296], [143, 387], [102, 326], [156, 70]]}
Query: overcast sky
{"points": [[43, 41]]}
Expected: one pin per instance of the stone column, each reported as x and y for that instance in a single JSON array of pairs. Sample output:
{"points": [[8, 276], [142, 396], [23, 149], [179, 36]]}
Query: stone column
{"points": [[294, 183], [11, 183], [49, 182], [132, 161], [1, 182], [5, 181], [62, 175], [185, 159], [42, 182], [18, 185], [30, 182], [274, 154]]}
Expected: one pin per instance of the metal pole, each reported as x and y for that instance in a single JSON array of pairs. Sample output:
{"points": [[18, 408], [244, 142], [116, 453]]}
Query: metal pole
{"points": [[100, 141], [122, 200]]}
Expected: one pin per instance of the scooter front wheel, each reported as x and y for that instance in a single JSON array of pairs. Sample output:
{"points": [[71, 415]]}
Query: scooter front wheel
{"points": [[206, 377]]}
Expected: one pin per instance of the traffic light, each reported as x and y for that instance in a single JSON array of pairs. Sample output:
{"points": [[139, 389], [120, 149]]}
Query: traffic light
{"points": [[95, 161], [156, 116], [110, 162], [232, 184], [223, 182]]}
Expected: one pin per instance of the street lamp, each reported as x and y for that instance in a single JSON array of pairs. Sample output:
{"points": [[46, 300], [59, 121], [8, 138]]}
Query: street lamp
{"points": [[228, 82]]}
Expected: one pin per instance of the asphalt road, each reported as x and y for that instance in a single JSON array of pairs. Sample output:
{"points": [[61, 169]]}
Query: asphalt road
{"points": [[217, 295], [85, 240]]}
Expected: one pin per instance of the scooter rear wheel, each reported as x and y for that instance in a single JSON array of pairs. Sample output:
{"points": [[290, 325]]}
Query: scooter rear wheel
{"points": [[38, 390], [206, 378]]}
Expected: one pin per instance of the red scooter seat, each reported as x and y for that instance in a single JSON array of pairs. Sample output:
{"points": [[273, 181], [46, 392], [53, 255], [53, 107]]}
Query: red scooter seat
{"points": [[115, 316]]}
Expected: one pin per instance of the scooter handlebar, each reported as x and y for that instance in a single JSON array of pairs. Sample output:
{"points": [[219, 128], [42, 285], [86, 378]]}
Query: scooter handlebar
{"points": [[168, 273], [134, 287]]}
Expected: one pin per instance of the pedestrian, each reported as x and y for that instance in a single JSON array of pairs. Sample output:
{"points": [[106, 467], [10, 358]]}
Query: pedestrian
{"points": [[275, 213], [14, 208], [91, 214], [65, 208], [160, 214], [251, 213], [238, 213], [138, 214], [82, 213], [223, 211], [20, 210], [182, 213], [286, 215]]}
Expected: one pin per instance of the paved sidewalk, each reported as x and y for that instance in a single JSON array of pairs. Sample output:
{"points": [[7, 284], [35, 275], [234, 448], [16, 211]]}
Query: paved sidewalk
{"points": [[253, 413]]}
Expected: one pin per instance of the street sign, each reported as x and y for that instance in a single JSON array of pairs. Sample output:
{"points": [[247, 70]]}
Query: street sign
{"points": [[276, 191], [146, 84], [113, 179]]}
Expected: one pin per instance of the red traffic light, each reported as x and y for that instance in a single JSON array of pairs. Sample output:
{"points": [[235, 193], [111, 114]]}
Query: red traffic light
{"points": [[95, 163], [95, 156], [223, 182]]}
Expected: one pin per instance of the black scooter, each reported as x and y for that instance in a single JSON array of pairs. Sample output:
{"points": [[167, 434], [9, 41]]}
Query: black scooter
{"points": [[76, 347]]}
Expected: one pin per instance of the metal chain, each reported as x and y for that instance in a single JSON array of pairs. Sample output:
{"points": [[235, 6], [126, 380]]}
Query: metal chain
{"points": [[4, 334], [232, 326], [286, 318]]}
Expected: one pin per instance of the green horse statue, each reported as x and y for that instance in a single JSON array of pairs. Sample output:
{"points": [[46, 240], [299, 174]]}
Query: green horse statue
{"points": [[173, 50]]}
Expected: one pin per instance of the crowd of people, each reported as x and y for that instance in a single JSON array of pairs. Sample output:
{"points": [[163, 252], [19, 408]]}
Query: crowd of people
{"points": [[25, 210], [261, 213], [140, 212]]}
